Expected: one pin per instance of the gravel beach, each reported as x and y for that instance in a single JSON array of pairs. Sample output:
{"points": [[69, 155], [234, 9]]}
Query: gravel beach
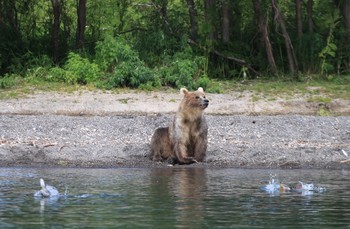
{"points": [[95, 129]]}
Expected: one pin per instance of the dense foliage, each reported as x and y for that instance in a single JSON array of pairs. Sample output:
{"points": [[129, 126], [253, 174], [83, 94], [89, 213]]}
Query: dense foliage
{"points": [[147, 44]]}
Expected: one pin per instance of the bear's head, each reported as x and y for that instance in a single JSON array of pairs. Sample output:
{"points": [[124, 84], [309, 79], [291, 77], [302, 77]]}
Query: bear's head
{"points": [[194, 99]]}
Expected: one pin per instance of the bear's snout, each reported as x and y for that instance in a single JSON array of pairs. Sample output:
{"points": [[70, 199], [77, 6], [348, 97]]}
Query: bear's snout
{"points": [[205, 103]]}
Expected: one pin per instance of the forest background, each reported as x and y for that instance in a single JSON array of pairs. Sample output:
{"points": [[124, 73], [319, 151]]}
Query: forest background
{"points": [[150, 44]]}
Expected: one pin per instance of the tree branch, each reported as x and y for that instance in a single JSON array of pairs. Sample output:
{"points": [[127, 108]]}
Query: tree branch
{"points": [[235, 59]]}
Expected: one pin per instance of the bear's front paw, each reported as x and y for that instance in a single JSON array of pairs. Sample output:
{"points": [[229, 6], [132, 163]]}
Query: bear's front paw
{"points": [[188, 160], [156, 158], [172, 161]]}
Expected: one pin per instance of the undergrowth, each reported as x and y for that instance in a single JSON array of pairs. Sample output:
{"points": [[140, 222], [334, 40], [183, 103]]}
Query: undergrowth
{"points": [[116, 64]]}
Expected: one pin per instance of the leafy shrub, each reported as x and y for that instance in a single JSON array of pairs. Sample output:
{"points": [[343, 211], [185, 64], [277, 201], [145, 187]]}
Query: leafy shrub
{"points": [[133, 75], [184, 70], [7, 82], [56, 74], [112, 51], [80, 70], [180, 73], [37, 74], [123, 65], [152, 45], [203, 82], [76, 70], [29, 61]]}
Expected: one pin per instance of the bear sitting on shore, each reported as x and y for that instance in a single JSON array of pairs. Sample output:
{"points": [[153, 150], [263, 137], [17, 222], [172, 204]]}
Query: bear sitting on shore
{"points": [[185, 140]]}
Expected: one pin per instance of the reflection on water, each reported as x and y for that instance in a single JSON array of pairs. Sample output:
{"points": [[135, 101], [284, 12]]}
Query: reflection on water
{"points": [[184, 190], [177, 197]]}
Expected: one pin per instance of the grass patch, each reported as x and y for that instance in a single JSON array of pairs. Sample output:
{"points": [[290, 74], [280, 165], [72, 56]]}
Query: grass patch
{"points": [[255, 98], [318, 89], [319, 99], [324, 111], [124, 101], [23, 87], [337, 87]]}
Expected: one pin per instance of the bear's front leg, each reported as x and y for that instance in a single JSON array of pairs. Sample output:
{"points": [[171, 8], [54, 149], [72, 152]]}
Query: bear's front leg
{"points": [[200, 149], [181, 154]]}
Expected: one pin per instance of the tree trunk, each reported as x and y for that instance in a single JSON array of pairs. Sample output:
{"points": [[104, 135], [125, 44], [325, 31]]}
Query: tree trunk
{"points": [[192, 11], [81, 13], [298, 18], [310, 24], [261, 18], [225, 26], [344, 7], [164, 13], [345, 10], [55, 30], [209, 6], [122, 5], [293, 65], [11, 16], [346, 13]]}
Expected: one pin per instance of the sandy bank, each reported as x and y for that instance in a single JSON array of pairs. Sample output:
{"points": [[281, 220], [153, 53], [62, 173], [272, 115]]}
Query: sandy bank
{"points": [[95, 129]]}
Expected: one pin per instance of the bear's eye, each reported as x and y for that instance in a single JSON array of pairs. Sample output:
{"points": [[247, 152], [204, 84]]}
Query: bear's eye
{"points": [[197, 97]]}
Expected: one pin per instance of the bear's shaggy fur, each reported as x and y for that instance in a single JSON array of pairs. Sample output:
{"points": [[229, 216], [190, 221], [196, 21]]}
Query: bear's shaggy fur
{"points": [[185, 140]]}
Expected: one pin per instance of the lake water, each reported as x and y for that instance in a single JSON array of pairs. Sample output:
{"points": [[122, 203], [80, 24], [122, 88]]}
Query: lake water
{"points": [[175, 197]]}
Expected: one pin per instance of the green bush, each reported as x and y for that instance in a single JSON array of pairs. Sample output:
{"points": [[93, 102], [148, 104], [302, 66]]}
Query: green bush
{"points": [[7, 82], [76, 70], [123, 66], [56, 74], [184, 70], [29, 62], [112, 51], [80, 70], [203, 82], [133, 75]]}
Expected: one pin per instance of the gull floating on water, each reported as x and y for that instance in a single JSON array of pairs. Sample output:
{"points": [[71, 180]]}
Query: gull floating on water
{"points": [[46, 190]]}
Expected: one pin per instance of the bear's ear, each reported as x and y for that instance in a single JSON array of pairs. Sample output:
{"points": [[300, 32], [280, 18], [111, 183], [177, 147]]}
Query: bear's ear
{"points": [[183, 91], [200, 89]]}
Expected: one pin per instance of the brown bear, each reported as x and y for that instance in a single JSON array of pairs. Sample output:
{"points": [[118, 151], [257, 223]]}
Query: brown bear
{"points": [[185, 140]]}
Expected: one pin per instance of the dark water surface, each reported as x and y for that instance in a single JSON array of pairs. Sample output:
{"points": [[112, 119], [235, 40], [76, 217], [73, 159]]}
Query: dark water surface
{"points": [[171, 198]]}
